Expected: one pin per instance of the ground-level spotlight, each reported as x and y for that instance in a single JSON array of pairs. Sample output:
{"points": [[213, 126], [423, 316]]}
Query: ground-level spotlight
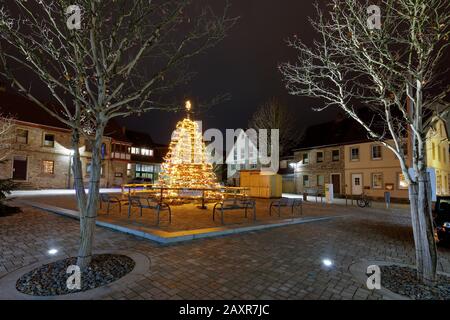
{"points": [[52, 252], [327, 262]]}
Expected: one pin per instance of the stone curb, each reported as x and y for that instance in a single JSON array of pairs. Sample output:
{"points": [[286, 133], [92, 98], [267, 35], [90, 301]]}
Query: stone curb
{"points": [[165, 238], [9, 291], [358, 270]]}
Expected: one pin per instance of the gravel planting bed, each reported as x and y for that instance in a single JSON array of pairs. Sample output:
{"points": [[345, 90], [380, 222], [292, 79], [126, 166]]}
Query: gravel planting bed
{"points": [[403, 281], [51, 279]]}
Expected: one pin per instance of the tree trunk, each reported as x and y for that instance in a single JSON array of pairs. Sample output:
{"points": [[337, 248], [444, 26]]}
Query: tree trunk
{"points": [[422, 223], [88, 222]]}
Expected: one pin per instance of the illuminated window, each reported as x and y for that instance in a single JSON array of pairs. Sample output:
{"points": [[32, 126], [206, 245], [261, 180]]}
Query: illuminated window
{"points": [[49, 140], [319, 157], [335, 154], [135, 150], [377, 180], [401, 182], [376, 152], [354, 154], [147, 152], [22, 136], [48, 166], [305, 158], [306, 181], [129, 168]]}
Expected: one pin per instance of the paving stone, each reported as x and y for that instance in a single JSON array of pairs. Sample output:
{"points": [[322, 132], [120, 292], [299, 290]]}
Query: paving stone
{"points": [[284, 263]]}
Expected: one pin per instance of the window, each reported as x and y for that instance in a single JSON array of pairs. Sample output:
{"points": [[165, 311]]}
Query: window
{"points": [[147, 152], [305, 158], [335, 154], [444, 154], [354, 154], [319, 157], [49, 140], [401, 182], [22, 136], [306, 181], [377, 180], [438, 184], [88, 145], [376, 152], [433, 147], [439, 154], [145, 171], [48, 166], [129, 168], [135, 150], [320, 181]]}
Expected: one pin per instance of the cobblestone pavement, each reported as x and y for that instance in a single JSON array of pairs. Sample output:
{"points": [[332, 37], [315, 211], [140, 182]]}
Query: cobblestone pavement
{"points": [[282, 263], [189, 216]]}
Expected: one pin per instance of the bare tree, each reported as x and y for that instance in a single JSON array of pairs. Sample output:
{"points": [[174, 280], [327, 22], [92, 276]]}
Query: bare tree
{"points": [[392, 69], [92, 67], [274, 115], [6, 136]]}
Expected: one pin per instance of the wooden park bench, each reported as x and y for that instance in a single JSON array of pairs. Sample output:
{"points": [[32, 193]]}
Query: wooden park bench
{"points": [[109, 199], [294, 204], [235, 204], [148, 203]]}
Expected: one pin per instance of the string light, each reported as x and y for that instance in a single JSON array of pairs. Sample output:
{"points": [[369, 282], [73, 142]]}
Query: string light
{"points": [[186, 164]]}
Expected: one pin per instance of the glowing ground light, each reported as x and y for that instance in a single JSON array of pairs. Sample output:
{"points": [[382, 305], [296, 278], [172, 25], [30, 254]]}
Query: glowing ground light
{"points": [[52, 251], [327, 262]]}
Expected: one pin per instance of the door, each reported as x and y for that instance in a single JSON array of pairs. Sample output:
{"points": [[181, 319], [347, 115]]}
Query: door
{"points": [[357, 184], [20, 168], [336, 181]]}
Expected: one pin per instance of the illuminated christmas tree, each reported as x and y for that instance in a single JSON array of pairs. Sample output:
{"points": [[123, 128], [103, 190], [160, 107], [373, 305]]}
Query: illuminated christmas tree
{"points": [[186, 163]]}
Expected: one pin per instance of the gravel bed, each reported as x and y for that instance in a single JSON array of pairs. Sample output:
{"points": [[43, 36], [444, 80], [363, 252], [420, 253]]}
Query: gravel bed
{"points": [[51, 279], [403, 281]]}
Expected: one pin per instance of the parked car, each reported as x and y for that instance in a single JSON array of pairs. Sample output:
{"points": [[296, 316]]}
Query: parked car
{"points": [[442, 219]]}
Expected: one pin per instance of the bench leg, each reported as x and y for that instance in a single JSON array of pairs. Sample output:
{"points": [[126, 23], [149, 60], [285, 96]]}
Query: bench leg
{"points": [[120, 207], [170, 215], [129, 210], [141, 211], [270, 210]]}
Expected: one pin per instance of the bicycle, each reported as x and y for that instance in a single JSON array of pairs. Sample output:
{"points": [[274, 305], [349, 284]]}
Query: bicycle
{"points": [[364, 201]]}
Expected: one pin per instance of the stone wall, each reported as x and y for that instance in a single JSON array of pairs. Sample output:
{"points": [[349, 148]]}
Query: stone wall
{"points": [[313, 169]]}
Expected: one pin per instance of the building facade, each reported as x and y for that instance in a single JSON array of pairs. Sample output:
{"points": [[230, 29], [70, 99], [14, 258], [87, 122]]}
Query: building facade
{"points": [[356, 165], [41, 153], [319, 166]]}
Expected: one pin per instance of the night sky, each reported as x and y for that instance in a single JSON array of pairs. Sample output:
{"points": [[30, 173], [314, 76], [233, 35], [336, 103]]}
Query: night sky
{"points": [[244, 65]]}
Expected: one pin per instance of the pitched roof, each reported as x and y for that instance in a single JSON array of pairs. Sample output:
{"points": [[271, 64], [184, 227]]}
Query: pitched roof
{"points": [[336, 132], [22, 109]]}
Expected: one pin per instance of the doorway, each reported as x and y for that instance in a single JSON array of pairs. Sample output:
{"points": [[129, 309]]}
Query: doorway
{"points": [[336, 181], [20, 168], [357, 188]]}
